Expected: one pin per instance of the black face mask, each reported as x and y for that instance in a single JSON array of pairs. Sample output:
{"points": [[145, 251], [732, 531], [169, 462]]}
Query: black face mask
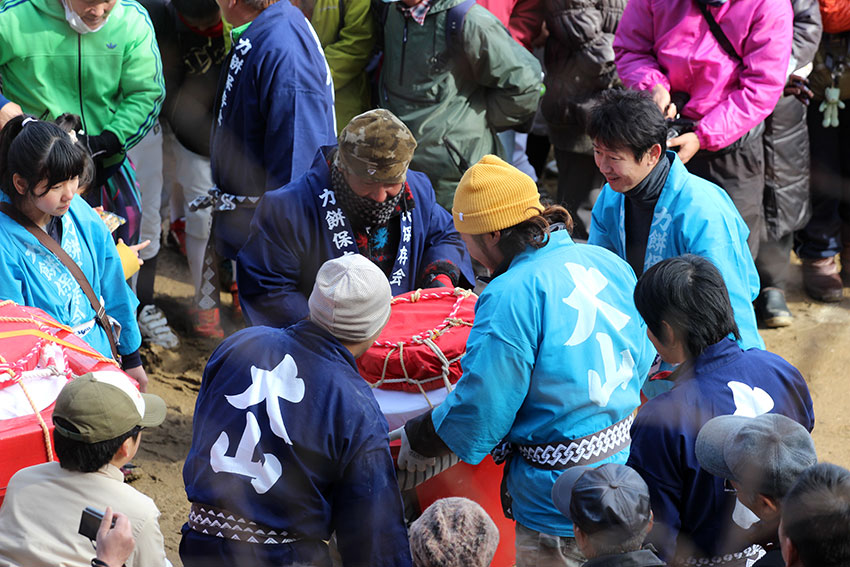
{"points": [[363, 210]]}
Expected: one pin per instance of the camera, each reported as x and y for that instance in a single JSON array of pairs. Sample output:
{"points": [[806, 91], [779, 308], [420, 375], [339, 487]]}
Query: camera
{"points": [[90, 522], [678, 126]]}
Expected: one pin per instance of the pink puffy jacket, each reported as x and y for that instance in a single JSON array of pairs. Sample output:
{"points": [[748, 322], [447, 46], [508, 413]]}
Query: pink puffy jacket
{"points": [[668, 42]]}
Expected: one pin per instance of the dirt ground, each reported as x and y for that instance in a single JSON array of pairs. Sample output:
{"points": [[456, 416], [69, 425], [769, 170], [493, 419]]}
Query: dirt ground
{"points": [[818, 344]]}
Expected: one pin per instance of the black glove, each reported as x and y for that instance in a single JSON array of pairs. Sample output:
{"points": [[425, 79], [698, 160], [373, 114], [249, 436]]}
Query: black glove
{"points": [[102, 146]]}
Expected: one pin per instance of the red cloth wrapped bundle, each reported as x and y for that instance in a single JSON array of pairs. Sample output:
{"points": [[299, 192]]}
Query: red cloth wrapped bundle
{"points": [[420, 348]]}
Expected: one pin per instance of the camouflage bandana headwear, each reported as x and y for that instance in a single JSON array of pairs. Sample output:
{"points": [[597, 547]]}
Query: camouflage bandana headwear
{"points": [[377, 147]]}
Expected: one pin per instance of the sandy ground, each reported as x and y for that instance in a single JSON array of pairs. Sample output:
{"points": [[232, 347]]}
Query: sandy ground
{"points": [[818, 344]]}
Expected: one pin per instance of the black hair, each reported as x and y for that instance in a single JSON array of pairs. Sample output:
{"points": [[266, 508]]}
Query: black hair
{"points": [[604, 544], [86, 457], [533, 232], [196, 10], [816, 516], [39, 151], [627, 119], [688, 293]]}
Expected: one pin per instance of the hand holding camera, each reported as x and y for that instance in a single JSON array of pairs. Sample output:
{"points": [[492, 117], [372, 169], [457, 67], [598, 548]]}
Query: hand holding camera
{"points": [[113, 534]]}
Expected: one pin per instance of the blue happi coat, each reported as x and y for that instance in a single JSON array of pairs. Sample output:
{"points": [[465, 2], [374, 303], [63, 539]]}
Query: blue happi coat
{"points": [[287, 434], [557, 352], [723, 380], [274, 109], [299, 227], [31, 275], [692, 216]]}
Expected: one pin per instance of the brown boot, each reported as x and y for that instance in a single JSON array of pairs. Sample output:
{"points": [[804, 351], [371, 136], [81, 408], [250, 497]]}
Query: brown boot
{"points": [[821, 279]]}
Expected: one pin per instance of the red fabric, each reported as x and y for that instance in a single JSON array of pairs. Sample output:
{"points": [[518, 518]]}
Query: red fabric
{"points": [[523, 18], [21, 438], [409, 319], [835, 15]]}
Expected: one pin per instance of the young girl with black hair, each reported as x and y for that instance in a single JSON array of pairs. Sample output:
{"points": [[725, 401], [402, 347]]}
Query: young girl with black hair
{"points": [[41, 169]]}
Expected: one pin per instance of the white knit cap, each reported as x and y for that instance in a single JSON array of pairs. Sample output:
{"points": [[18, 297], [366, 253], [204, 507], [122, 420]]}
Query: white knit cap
{"points": [[351, 298]]}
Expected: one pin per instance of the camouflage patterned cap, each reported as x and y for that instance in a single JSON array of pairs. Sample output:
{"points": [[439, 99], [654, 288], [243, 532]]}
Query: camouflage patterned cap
{"points": [[376, 146]]}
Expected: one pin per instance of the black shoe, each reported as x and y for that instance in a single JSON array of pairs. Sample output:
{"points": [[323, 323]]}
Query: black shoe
{"points": [[772, 309]]}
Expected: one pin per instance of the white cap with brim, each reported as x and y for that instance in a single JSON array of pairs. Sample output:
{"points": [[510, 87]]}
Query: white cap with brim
{"points": [[350, 299]]}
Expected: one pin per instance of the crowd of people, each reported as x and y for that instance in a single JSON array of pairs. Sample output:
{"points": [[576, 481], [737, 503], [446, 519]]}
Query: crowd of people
{"points": [[316, 159]]}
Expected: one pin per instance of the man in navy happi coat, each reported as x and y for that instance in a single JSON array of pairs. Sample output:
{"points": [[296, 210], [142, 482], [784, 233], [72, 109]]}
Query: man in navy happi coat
{"points": [[274, 108], [289, 445], [358, 197], [689, 317]]}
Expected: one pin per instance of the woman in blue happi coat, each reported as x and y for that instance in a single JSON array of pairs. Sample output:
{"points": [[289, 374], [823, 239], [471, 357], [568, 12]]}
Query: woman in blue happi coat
{"points": [[41, 170]]}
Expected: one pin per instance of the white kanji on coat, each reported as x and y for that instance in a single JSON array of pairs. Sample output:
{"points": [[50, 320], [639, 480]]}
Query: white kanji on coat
{"points": [[614, 376], [397, 277], [589, 282], [402, 255], [334, 218], [270, 386], [327, 195], [406, 233], [749, 401], [342, 239], [244, 46], [263, 473]]}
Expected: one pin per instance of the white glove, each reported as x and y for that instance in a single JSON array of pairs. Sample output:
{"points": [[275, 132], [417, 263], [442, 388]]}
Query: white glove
{"points": [[408, 459]]}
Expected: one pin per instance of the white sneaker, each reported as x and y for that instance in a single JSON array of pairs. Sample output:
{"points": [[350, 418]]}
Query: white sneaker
{"points": [[155, 328]]}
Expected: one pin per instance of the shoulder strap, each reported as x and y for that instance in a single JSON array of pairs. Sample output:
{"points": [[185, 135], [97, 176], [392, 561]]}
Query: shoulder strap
{"points": [[717, 32], [62, 256], [455, 17]]}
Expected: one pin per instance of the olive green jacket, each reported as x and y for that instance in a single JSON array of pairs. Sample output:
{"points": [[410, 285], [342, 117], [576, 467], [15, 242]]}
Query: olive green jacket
{"points": [[455, 103], [347, 39]]}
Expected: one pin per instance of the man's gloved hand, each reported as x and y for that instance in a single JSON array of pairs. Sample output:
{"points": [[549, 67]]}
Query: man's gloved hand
{"points": [[441, 280], [102, 146], [408, 459]]}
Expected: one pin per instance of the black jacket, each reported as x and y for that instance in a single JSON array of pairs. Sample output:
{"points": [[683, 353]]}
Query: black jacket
{"points": [[191, 64], [579, 62], [786, 138]]}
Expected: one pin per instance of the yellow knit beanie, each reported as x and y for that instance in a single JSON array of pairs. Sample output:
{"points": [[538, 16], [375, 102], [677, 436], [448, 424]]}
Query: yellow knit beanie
{"points": [[494, 195]]}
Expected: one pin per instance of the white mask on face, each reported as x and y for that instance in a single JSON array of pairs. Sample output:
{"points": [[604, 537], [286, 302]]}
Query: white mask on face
{"points": [[743, 516], [77, 23]]}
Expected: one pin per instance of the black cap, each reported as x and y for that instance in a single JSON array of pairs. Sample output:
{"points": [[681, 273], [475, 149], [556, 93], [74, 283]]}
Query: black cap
{"points": [[610, 500]]}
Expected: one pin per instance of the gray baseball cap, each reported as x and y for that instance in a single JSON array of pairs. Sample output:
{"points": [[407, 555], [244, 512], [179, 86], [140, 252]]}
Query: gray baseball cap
{"points": [[610, 500], [765, 454]]}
